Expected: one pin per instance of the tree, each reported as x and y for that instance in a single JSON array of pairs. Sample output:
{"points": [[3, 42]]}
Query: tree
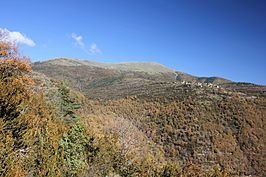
{"points": [[76, 148], [29, 132], [15, 85], [14, 100]]}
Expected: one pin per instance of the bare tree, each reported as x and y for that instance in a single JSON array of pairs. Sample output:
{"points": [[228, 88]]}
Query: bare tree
{"points": [[132, 141]]}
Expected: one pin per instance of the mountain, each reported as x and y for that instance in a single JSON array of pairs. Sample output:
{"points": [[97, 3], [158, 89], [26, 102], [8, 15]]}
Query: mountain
{"points": [[210, 122], [106, 80], [99, 80]]}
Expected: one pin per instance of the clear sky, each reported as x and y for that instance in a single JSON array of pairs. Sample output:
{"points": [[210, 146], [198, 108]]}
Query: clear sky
{"points": [[224, 38]]}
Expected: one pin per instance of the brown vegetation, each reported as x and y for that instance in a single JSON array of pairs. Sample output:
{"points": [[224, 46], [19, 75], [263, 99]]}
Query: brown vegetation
{"points": [[206, 124], [152, 127]]}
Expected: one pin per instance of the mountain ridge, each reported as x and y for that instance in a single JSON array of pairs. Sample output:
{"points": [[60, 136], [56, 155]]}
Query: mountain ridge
{"points": [[137, 66], [155, 67]]}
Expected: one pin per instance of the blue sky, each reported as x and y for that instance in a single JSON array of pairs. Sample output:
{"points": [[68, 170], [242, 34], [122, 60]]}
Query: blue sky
{"points": [[224, 38]]}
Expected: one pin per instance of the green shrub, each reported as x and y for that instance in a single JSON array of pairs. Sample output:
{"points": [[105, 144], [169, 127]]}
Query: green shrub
{"points": [[76, 148]]}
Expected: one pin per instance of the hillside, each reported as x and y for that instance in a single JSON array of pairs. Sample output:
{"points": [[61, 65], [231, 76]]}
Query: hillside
{"points": [[88, 76], [100, 80], [72, 118], [210, 122]]}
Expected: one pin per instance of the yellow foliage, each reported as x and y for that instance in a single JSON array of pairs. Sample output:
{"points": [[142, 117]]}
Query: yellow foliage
{"points": [[29, 132]]}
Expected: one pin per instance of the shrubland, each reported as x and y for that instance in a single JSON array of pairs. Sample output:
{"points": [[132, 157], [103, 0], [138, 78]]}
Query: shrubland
{"points": [[47, 128]]}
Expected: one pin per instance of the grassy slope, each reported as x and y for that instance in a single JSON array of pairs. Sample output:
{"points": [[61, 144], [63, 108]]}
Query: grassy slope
{"points": [[148, 67]]}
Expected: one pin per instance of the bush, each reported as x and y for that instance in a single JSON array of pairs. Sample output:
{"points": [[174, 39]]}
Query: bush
{"points": [[76, 148]]}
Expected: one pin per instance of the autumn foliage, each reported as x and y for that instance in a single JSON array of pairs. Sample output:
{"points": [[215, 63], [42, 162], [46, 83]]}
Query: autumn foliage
{"points": [[26, 124], [54, 132]]}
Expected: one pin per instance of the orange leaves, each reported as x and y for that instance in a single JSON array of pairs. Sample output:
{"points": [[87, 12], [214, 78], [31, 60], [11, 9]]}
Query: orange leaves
{"points": [[9, 57], [7, 50], [15, 82], [28, 129]]}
